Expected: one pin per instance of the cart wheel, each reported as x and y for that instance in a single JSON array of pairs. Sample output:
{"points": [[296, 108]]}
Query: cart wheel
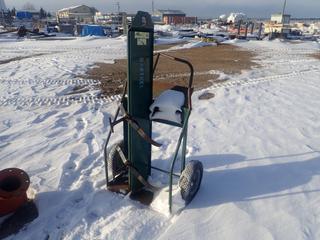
{"points": [[114, 160], [190, 180]]}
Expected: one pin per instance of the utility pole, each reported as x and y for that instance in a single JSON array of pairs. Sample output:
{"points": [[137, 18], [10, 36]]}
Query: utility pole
{"points": [[3, 6], [152, 7], [283, 10], [118, 7]]}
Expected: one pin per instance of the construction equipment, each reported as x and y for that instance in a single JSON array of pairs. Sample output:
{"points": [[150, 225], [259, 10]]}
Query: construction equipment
{"points": [[22, 31], [128, 162]]}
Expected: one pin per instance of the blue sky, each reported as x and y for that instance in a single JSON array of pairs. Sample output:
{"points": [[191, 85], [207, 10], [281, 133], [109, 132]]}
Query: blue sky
{"points": [[201, 8]]}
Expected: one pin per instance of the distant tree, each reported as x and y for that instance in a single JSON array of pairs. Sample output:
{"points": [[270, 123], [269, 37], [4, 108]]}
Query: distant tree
{"points": [[49, 15], [13, 12], [28, 6], [43, 13], [94, 10]]}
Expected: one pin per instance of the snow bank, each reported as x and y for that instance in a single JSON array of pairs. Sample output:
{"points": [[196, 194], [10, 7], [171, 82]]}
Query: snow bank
{"points": [[163, 28], [163, 41], [236, 40], [193, 44], [211, 30]]}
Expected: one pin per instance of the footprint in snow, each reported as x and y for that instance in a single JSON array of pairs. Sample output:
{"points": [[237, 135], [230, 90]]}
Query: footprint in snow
{"points": [[42, 117], [247, 98], [81, 124]]}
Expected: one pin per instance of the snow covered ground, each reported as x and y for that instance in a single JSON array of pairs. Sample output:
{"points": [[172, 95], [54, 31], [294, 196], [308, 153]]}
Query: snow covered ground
{"points": [[259, 141]]}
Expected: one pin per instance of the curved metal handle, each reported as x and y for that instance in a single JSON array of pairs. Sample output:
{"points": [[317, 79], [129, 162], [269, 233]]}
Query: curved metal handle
{"points": [[182, 61]]}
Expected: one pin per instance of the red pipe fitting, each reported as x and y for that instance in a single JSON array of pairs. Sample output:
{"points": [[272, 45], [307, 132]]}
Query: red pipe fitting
{"points": [[14, 183]]}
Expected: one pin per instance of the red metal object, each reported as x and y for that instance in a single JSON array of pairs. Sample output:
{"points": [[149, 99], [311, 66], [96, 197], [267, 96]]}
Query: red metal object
{"points": [[14, 183]]}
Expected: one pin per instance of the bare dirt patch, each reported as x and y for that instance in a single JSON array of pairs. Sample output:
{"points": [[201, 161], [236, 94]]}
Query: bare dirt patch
{"points": [[316, 55], [206, 61], [167, 46], [296, 42]]}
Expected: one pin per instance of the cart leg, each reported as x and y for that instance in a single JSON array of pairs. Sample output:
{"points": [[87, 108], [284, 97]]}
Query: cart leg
{"points": [[184, 141], [170, 193], [172, 167], [125, 129], [184, 149]]}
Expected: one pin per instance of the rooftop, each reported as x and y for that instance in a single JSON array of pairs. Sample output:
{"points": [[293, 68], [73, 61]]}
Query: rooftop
{"points": [[168, 11], [69, 8], [279, 14]]}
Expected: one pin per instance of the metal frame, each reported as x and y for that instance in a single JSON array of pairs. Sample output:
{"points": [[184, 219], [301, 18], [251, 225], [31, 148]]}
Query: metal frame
{"points": [[182, 141], [184, 132]]}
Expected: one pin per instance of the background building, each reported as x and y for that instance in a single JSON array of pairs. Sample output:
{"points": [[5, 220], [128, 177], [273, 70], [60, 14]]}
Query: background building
{"points": [[28, 14], [170, 16], [173, 17], [110, 18], [280, 18], [279, 23], [76, 14]]}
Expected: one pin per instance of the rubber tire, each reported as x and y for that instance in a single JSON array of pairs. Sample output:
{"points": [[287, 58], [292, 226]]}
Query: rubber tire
{"points": [[190, 180], [114, 160]]}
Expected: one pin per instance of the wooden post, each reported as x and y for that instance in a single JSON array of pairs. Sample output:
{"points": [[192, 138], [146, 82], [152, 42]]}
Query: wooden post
{"points": [[239, 27], [260, 31], [246, 32], [252, 27]]}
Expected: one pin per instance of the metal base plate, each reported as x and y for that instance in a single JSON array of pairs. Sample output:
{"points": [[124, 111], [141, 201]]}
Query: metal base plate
{"points": [[143, 196], [119, 185]]}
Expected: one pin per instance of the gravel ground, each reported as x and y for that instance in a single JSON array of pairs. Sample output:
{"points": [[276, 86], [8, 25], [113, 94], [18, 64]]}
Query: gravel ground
{"points": [[209, 63]]}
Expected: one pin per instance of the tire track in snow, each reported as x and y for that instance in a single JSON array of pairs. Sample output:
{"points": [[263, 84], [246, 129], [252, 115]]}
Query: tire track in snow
{"points": [[51, 82], [53, 62], [63, 49], [267, 64], [89, 99], [291, 53], [60, 101], [288, 61], [261, 79], [282, 50]]}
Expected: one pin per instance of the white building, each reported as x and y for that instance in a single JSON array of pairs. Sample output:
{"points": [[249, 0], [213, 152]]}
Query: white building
{"points": [[76, 14], [309, 28], [110, 19], [280, 18], [236, 17], [279, 23]]}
